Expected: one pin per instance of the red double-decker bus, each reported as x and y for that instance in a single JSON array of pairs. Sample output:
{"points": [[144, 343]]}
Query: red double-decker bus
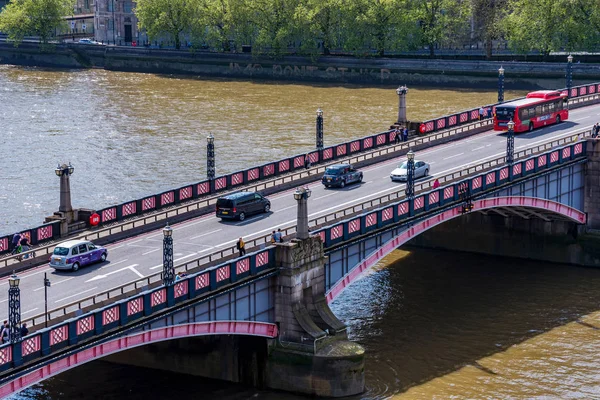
{"points": [[540, 108]]}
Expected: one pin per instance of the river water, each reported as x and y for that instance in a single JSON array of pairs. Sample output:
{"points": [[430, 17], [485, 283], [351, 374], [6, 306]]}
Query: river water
{"points": [[130, 135], [435, 325]]}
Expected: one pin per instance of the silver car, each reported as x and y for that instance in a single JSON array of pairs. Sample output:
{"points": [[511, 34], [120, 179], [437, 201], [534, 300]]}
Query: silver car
{"points": [[399, 174]]}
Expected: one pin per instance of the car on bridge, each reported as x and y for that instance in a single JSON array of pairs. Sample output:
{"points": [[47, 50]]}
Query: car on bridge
{"points": [[241, 204], [401, 173], [72, 254], [341, 175]]}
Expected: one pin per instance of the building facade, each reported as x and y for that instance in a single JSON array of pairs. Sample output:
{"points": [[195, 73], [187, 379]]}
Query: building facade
{"points": [[115, 22]]}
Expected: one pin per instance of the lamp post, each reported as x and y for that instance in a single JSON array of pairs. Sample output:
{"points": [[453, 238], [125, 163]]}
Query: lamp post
{"points": [[510, 142], [410, 175], [401, 92], [14, 308], [168, 271], [114, 23], [301, 195], [319, 129], [63, 172], [569, 75], [210, 157], [46, 286], [500, 85]]}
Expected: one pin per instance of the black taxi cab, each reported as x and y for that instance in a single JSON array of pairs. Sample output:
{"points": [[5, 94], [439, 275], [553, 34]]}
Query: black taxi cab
{"points": [[340, 175]]}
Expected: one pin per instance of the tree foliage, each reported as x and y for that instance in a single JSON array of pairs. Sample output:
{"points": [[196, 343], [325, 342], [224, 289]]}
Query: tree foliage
{"points": [[488, 18], [40, 18], [172, 17]]}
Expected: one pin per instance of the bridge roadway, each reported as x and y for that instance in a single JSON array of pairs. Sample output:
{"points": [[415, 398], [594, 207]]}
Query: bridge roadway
{"points": [[134, 258]]}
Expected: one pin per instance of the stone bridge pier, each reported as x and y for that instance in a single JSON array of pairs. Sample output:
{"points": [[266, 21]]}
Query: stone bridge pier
{"points": [[312, 354]]}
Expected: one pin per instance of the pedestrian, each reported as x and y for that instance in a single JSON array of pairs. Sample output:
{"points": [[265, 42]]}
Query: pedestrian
{"points": [[595, 130], [436, 184], [405, 134], [178, 276], [5, 332], [307, 162], [273, 237], [24, 247], [480, 113], [241, 246], [24, 330], [16, 239], [280, 235], [397, 138]]}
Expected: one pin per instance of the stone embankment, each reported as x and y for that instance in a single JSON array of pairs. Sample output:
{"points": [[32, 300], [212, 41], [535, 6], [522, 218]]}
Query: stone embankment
{"points": [[331, 69]]}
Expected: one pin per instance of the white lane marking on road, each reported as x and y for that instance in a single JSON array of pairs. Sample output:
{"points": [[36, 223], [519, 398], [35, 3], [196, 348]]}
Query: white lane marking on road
{"points": [[75, 295], [102, 276], [29, 311], [205, 234], [582, 118], [456, 155], [246, 220], [151, 251], [55, 283], [137, 272], [477, 148], [5, 300], [316, 198]]}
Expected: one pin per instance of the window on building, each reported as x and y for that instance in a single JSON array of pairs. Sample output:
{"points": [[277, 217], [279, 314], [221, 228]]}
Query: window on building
{"points": [[110, 24], [111, 5], [127, 6], [87, 4]]}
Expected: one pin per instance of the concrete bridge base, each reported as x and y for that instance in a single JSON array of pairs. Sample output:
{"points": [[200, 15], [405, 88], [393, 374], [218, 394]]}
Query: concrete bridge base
{"points": [[535, 239], [313, 355]]}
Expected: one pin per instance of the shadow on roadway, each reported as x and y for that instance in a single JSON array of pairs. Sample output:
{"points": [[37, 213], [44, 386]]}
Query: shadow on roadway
{"points": [[544, 131]]}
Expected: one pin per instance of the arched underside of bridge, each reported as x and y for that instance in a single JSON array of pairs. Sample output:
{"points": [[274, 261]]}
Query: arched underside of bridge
{"points": [[523, 207], [72, 360]]}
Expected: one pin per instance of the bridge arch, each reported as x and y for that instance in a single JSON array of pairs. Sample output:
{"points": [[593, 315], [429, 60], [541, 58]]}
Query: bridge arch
{"points": [[75, 359], [516, 205]]}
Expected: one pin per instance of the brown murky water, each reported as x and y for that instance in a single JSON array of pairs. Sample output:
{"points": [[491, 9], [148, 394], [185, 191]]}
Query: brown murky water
{"points": [[435, 325], [130, 135]]}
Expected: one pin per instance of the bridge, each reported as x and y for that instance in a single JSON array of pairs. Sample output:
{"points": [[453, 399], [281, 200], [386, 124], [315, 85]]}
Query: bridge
{"points": [[276, 296]]}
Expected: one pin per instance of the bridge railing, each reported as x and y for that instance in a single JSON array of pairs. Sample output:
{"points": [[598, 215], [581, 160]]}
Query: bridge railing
{"points": [[437, 198], [50, 234], [170, 198], [75, 330], [316, 223]]}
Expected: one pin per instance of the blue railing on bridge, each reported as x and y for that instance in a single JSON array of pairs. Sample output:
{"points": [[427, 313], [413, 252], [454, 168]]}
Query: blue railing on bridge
{"points": [[438, 198], [70, 332], [205, 188]]}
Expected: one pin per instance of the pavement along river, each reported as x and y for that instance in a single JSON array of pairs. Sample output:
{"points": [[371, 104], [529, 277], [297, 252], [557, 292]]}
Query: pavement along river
{"points": [[434, 324]]}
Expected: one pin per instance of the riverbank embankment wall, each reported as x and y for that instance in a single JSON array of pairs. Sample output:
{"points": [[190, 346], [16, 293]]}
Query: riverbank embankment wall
{"points": [[330, 69]]}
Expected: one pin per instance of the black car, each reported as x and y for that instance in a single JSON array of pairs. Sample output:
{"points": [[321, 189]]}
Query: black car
{"points": [[340, 175], [241, 204]]}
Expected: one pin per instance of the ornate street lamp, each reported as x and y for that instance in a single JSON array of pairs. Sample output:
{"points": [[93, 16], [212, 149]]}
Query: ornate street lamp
{"points": [[168, 270], [401, 92], [500, 85], [301, 195], [63, 172], [410, 175], [210, 157], [510, 142], [319, 129], [14, 308], [569, 75]]}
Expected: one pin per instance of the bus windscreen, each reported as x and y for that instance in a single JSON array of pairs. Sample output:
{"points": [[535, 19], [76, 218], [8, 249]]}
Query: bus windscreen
{"points": [[505, 113]]}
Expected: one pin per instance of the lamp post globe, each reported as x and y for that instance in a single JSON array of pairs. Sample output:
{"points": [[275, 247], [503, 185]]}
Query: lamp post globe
{"points": [[58, 171], [410, 155]]}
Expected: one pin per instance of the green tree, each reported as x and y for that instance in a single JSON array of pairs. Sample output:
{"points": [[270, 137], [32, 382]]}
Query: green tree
{"points": [[441, 21], [320, 22], [543, 25], [220, 22], [488, 17], [171, 17], [34, 17], [273, 23], [381, 25]]}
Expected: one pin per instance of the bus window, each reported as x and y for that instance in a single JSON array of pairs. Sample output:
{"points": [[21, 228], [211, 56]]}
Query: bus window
{"points": [[505, 113], [538, 110]]}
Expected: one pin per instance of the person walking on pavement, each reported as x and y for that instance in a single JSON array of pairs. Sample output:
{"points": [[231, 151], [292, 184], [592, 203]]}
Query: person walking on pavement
{"points": [[273, 237], [241, 246], [397, 138], [5, 332], [595, 130], [480, 113], [24, 330], [405, 134], [307, 162], [279, 235], [16, 239], [436, 184]]}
